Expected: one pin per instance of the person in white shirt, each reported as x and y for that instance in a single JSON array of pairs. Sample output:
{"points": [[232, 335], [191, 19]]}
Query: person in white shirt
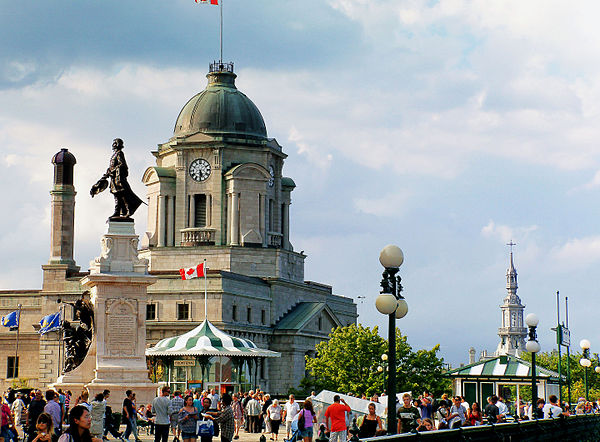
{"points": [[552, 410], [502, 409], [17, 408], [214, 399], [290, 411]]}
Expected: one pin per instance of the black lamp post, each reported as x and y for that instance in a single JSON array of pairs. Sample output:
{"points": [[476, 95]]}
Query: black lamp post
{"points": [[585, 363], [391, 303], [533, 347]]}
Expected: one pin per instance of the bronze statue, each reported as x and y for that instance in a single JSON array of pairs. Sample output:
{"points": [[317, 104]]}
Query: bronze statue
{"points": [[78, 339], [126, 202]]}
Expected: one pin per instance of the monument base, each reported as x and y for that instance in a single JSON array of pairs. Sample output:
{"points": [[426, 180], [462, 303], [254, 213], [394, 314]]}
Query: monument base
{"points": [[118, 282], [76, 380]]}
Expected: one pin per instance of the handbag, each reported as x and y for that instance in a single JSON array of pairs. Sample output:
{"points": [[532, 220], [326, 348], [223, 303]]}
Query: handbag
{"points": [[301, 423], [205, 428]]}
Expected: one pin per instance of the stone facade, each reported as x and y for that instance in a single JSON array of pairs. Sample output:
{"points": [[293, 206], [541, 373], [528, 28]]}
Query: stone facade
{"points": [[217, 193]]}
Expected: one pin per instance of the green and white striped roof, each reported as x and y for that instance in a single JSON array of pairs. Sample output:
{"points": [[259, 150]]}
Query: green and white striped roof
{"points": [[502, 367], [208, 340]]}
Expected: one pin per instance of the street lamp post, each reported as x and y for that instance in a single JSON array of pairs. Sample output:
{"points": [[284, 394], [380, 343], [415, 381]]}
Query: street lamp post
{"points": [[391, 302], [533, 347], [585, 363]]}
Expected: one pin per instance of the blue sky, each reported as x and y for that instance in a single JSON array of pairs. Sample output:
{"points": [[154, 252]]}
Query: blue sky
{"points": [[447, 128]]}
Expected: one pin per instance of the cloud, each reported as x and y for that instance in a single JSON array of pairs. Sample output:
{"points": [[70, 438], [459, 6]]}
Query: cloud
{"points": [[506, 233], [577, 253], [312, 152], [393, 204]]}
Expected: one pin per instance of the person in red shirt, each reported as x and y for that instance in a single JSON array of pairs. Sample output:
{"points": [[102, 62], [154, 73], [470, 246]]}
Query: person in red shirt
{"points": [[335, 419]]}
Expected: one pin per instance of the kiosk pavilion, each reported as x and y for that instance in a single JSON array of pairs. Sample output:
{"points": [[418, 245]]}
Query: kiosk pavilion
{"points": [[217, 193]]}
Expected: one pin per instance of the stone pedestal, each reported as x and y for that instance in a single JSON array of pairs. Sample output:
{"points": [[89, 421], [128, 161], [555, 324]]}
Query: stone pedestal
{"points": [[76, 380], [118, 283]]}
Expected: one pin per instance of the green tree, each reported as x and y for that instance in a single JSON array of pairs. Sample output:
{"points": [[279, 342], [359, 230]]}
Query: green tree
{"points": [[349, 360], [549, 360]]}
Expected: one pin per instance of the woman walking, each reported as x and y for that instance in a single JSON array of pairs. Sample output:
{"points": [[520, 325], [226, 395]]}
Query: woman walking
{"points": [[98, 407], [274, 415], [310, 418], [188, 416]]}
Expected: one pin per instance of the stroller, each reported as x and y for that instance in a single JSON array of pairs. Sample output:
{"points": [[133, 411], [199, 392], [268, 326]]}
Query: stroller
{"points": [[295, 435]]}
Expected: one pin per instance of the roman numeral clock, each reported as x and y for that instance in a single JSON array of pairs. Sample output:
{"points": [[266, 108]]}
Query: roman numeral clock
{"points": [[199, 169]]}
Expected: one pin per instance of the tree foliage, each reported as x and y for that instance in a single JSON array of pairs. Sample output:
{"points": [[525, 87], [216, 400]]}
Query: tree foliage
{"points": [[549, 360], [348, 363]]}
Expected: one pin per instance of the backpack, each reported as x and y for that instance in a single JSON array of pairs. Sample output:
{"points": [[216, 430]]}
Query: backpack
{"points": [[301, 423]]}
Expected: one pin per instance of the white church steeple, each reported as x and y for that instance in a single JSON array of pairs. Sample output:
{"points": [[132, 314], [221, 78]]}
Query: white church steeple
{"points": [[512, 332]]}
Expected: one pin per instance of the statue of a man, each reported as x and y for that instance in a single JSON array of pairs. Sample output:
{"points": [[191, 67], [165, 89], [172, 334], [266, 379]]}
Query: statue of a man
{"points": [[126, 202]]}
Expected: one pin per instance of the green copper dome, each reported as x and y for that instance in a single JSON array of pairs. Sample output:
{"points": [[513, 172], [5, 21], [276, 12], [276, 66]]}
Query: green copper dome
{"points": [[220, 109]]}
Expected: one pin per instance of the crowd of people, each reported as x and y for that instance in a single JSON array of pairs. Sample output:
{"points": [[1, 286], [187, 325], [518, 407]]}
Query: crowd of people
{"points": [[57, 416]]}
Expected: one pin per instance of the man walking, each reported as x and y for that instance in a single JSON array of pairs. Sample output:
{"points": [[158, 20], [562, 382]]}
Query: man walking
{"points": [[253, 411], [17, 408], [160, 405], [175, 407], [54, 410], [335, 420], [290, 410], [36, 407], [130, 417], [225, 419]]}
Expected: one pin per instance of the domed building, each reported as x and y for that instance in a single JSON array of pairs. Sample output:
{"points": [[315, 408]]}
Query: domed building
{"points": [[216, 194]]}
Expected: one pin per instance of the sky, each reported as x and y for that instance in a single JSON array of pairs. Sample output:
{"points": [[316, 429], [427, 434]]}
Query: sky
{"points": [[448, 128]]}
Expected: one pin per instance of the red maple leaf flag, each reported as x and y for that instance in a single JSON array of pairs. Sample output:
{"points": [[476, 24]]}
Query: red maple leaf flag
{"points": [[192, 272], [212, 2]]}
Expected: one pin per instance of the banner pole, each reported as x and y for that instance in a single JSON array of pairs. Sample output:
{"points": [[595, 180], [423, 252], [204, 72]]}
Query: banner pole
{"points": [[205, 296], [16, 364]]}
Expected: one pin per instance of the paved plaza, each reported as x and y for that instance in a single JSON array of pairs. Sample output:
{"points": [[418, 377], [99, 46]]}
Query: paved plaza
{"points": [[244, 436]]}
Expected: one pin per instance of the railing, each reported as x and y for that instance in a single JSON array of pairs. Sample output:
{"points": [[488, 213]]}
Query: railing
{"points": [[219, 66], [197, 236], [572, 428], [275, 239]]}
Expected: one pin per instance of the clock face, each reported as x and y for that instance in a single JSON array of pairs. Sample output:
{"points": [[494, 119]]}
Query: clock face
{"points": [[272, 173], [200, 169]]}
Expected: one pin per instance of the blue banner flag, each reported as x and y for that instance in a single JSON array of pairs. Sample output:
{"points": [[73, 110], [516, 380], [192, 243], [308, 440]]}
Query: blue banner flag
{"points": [[11, 320], [50, 323]]}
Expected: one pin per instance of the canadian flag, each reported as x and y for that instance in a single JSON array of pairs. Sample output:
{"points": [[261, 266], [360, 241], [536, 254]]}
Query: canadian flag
{"points": [[192, 272], [212, 2]]}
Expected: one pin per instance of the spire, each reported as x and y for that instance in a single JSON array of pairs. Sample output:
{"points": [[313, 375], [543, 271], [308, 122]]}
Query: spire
{"points": [[512, 332], [511, 273]]}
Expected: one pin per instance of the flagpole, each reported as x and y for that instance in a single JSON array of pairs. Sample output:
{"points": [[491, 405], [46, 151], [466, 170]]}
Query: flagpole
{"points": [[205, 297], [61, 350], [16, 364], [221, 32]]}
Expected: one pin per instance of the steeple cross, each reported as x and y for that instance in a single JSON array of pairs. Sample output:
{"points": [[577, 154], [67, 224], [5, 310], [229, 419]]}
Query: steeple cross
{"points": [[511, 244]]}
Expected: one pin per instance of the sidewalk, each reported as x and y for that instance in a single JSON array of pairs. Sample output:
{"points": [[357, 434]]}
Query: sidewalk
{"points": [[244, 437]]}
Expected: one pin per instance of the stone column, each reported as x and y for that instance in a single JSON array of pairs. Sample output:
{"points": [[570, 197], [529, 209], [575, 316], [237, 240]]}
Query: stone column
{"points": [[285, 229], [261, 216], [161, 221], [171, 223], [192, 217], [235, 220]]}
